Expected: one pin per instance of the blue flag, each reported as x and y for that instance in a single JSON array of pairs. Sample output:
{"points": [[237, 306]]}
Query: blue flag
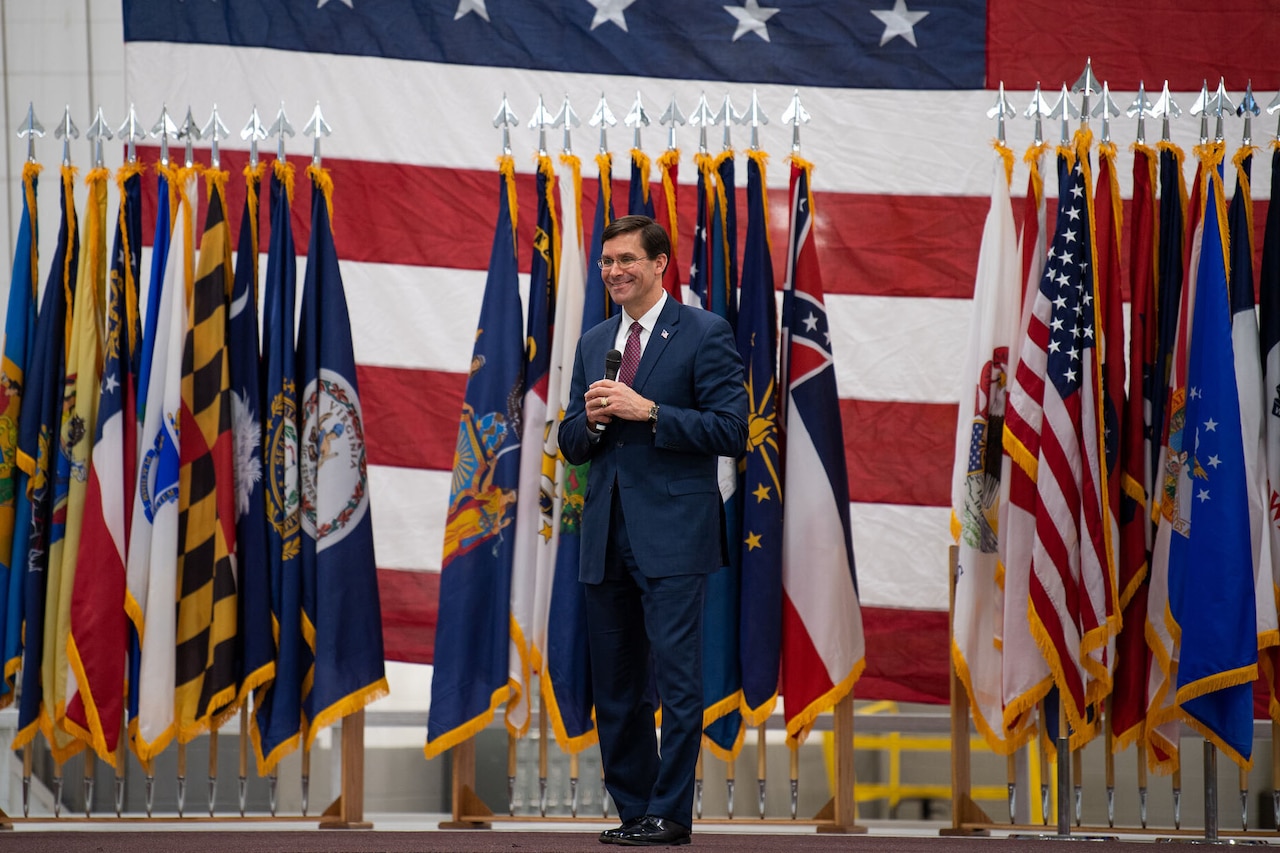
{"points": [[38, 449], [597, 306], [15, 510], [278, 707], [256, 651], [760, 488], [639, 198], [1211, 586], [339, 570], [473, 630]]}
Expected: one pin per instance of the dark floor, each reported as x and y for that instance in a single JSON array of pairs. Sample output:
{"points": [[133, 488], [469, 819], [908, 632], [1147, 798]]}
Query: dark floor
{"points": [[142, 837]]}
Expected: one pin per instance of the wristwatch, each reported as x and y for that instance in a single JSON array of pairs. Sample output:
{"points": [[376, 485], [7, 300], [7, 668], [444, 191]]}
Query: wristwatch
{"points": [[653, 416]]}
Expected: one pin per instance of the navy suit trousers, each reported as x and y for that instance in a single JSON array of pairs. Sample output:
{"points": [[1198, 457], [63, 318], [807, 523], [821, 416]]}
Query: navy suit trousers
{"points": [[635, 622]]}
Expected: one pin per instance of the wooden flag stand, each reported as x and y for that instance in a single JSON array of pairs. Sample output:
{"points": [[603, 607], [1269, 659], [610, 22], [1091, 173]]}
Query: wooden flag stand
{"points": [[347, 811]]}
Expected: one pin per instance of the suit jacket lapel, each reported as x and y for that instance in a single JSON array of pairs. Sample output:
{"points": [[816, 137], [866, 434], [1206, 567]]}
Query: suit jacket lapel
{"points": [[663, 332]]}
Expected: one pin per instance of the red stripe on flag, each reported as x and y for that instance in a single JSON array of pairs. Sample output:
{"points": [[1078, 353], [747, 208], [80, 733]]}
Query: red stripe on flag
{"points": [[1186, 46], [896, 452], [881, 245], [411, 416], [410, 603]]}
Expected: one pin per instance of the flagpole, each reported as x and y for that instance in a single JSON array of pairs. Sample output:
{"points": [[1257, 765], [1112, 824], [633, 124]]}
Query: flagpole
{"points": [[90, 763], [213, 768], [760, 764]]}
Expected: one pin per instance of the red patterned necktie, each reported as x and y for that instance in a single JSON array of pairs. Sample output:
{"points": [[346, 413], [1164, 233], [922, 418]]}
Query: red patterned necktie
{"points": [[630, 355]]}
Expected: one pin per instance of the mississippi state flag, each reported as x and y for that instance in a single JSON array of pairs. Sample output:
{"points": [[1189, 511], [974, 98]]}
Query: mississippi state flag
{"points": [[823, 649]]}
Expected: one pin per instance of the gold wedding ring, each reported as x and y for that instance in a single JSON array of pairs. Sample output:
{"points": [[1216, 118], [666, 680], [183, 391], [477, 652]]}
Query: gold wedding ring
{"points": [[604, 402]]}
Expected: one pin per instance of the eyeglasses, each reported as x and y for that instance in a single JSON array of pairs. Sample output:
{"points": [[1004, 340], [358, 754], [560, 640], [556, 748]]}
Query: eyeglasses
{"points": [[623, 263]]}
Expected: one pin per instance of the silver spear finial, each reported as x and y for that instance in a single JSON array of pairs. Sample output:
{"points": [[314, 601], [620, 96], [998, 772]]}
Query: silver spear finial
{"points": [[728, 117], [253, 132], [1247, 110], [317, 128], [1221, 103], [1141, 107], [1166, 108], [1087, 85], [166, 130], [1002, 110], [1203, 107], [795, 115], [603, 119], [567, 119], [702, 118], [755, 117], [636, 119], [280, 128], [505, 119], [1108, 110], [214, 131], [672, 118], [541, 120], [66, 131], [1066, 110], [189, 133], [130, 133], [97, 132], [1039, 109]]}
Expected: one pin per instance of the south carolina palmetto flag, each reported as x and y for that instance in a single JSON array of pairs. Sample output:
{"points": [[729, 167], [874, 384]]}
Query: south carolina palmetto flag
{"points": [[823, 647], [976, 487]]}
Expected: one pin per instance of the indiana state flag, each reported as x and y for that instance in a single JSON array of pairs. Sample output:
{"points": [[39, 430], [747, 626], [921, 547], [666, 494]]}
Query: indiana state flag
{"points": [[473, 630], [342, 613], [15, 511], [760, 488], [1211, 583]]}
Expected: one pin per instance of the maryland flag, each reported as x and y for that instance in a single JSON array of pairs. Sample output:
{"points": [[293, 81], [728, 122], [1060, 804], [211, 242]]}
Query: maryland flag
{"points": [[205, 673], [15, 510], [38, 426], [342, 617]]}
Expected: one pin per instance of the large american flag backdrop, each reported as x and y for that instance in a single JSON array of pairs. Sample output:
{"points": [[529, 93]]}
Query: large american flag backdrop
{"points": [[898, 92]]}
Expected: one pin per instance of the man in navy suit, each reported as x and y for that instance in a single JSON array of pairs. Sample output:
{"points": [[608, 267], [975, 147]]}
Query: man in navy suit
{"points": [[652, 524]]}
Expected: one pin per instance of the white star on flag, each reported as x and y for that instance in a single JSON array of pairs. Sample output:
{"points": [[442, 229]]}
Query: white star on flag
{"points": [[810, 323], [610, 11], [898, 22], [467, 6], [751, 19]]}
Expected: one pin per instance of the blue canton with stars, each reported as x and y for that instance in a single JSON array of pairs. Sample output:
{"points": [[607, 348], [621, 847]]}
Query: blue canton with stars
{"points": [[879, 45], [1068, 285]]}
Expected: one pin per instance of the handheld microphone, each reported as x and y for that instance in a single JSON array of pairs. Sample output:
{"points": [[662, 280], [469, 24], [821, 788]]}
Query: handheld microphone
{"points": [[612, 361]]}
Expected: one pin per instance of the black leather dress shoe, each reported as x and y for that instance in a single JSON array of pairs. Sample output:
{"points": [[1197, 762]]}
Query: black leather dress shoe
{"points": [[610, 836], [654, 832]]}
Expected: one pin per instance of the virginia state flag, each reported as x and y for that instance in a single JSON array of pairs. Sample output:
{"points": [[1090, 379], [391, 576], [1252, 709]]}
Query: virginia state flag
{"points": [[38, 439], [823, 647], [473, 631], [277, 724], [97, 648], [257, 648], [15, 510], [343, 615], [1211, 587], [760, 541]]}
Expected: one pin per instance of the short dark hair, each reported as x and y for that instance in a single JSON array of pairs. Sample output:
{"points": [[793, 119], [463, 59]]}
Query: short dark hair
{"points": [[653, 237]]}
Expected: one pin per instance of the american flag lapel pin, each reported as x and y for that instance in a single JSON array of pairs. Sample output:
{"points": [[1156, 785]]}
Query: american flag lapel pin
{"points": [[665, 334]]}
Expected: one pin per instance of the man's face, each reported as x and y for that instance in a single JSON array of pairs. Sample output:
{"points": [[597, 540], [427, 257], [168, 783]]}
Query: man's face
{"points": [[634, 280]]}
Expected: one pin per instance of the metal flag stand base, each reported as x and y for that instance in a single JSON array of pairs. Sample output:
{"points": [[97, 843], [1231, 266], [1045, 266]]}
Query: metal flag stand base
{"points": [[1064, 797], [1211, 807]]}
